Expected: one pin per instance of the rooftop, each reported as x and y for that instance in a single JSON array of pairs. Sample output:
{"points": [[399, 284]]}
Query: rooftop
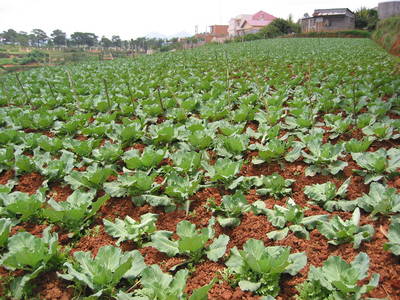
{"points": [[331, 12]]}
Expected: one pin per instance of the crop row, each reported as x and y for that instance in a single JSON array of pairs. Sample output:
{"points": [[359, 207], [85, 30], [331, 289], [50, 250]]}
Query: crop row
{"points": [[159, 131]]}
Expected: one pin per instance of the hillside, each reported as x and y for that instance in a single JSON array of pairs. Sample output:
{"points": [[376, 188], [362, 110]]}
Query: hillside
{"points": [[387, 34]]}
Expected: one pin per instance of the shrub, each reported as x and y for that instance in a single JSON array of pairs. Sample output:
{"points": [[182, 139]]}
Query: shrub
{"points": [[35, 56], [366, 18]]}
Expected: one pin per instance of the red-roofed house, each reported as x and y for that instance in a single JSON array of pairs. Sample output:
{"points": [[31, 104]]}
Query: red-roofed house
{"points": [[244, 24]]}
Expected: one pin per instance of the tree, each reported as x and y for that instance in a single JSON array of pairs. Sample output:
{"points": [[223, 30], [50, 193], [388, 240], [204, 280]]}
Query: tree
{"points": [[59, 38], [40, 37], [366, 18], [9, 36], [133, 44], [141, 44], [83, 39], [105, 42], [116, 41], [125, 44], [278, 27], [23, 38]]}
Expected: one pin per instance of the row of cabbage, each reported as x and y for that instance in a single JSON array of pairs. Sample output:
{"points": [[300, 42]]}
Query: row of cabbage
{"points": [[194, 116]]}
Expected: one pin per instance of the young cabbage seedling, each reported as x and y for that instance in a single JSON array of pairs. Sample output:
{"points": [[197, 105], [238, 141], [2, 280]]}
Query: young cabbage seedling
{"points": [[330, 197], [337, 279], [191, 242], [338, 231], [258, 269], [380, 200], [231, 209], [394, 237], [292, 214]]}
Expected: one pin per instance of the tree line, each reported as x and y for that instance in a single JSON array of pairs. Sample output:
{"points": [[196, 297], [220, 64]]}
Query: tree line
{"points": [[58, 38]]}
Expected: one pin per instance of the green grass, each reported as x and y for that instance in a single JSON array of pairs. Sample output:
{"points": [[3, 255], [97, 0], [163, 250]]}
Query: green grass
{"points": [[344, 33], [387, 33], [5, 61]]}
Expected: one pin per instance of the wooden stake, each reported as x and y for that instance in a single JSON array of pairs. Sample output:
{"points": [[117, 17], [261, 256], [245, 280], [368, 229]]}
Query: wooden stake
{"points": [[129, 89], [5, 91], [71, 85], [228, 84], [22, 88], [159, 98], [51, 90], [107, 95]]}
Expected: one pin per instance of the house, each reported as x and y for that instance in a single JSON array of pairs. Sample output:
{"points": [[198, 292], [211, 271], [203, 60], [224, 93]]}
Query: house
{"points": [[234, 24], [219, 30], [206, 37], [332, 19], [244, 24], [218, 33]]}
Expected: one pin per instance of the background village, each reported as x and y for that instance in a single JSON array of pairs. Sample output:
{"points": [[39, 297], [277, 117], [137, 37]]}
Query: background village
{"points": [[321, 20]]}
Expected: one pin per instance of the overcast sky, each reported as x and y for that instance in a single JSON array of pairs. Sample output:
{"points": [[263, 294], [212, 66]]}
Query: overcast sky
{"points": [[135, 18]]}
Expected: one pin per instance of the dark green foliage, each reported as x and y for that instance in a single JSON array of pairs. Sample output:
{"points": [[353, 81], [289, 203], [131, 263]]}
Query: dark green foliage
{"points": [[35, 56], [279, 27], [366, 18], [336, 34]]}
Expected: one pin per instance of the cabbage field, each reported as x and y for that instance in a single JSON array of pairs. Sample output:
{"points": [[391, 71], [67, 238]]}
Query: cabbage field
{"points": [[260, 170]]}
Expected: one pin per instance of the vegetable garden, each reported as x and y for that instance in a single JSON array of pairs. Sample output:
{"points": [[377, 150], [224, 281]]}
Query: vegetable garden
{"points": [[262, 170]]}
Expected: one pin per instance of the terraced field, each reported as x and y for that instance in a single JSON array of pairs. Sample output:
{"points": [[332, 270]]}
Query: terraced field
{"points": [[261, 170]]}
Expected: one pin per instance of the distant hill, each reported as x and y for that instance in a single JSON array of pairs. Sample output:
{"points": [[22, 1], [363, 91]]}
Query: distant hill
{"points": [[157, 35], [181, 34]]}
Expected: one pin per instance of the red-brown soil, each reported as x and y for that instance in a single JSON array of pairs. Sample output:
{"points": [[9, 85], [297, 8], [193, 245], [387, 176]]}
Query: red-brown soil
{"points": [[153, 256], [251, 227], [60, 192], [29, 183], [50, 287], [204, 273], [5, 176], [81, 137], [395, 50], [119, 208], [34, 229], [93, 241]]}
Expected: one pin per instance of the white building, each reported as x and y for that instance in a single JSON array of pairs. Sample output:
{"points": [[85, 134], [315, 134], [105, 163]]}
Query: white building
{"points": [[234, 24]]}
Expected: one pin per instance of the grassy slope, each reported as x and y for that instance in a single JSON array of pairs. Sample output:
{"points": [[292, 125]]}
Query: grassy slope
{"points": [[387, 34], [338, 34]]}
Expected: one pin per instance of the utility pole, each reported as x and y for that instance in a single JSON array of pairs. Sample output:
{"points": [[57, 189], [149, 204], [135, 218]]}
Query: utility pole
{"points": [[220, 11]]}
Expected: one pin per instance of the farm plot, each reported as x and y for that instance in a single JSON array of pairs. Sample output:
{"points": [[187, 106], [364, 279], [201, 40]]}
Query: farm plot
{"points": [[262, 170]]}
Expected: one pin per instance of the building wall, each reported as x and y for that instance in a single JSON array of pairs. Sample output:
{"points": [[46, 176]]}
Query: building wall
{"points": [[388, 9], [328, 23], [207, 37], [234, 24], [339, 23], [219, 30], [250, 29], [232, 27]]}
